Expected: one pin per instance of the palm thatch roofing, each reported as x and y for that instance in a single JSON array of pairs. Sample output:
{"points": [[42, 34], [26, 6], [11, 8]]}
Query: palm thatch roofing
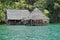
{"points": [[17, 14]]}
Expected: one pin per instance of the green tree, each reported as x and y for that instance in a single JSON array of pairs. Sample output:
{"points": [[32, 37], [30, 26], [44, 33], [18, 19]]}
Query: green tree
{"points": [[41, 4], [54, 10]]}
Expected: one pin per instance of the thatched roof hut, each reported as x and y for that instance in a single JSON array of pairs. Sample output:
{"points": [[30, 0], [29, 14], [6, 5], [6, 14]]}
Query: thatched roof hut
{"points": [[37, 17], [16, 15]]}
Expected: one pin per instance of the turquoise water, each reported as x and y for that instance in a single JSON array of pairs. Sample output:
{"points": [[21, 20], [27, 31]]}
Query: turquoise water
{"points": [[17, 32]]}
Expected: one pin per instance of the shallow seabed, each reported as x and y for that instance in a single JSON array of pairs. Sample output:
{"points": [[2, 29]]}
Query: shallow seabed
{"points": [[21, 32]]}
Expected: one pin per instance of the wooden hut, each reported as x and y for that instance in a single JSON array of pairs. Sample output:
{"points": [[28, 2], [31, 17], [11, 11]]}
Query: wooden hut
{"points": [[16, 16], [38, 18]]}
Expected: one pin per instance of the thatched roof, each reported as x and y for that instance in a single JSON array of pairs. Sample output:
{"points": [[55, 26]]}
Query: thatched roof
{"points": [[37, 14], [17, 14]]}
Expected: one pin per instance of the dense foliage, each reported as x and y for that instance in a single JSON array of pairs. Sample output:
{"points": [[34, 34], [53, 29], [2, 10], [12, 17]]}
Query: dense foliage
{"points": [[50, 7], [54, 8]]}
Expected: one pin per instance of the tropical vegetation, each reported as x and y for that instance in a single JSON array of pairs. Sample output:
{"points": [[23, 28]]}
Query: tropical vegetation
{"points": [[51, 8]]}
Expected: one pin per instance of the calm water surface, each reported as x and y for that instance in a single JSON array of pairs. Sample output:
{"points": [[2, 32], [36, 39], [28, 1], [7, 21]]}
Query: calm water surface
{"points": [[17, 32]]}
